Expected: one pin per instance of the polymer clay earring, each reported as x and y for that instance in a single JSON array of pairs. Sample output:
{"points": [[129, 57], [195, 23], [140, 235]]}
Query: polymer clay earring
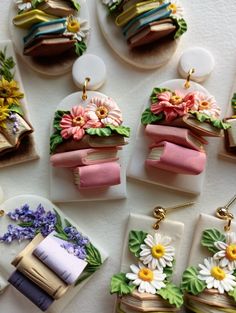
{"points": [[149, 264], [87, 135], [53, 258], [209, 283], [16, 140], [143, 33], [49, 35], [171, 137]]}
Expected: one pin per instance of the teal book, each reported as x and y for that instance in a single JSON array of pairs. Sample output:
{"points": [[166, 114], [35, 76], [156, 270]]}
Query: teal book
{"points": [[144, 19], [57, 26]]}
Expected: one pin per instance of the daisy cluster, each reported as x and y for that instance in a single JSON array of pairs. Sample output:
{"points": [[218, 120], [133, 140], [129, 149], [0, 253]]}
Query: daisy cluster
{"points": [[168, 105], [31, 222], [216, 272], [153, 272], [101, 116]]}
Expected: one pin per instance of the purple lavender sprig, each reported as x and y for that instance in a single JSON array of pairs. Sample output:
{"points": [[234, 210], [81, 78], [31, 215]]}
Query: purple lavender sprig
{"points": [[13, 117]]}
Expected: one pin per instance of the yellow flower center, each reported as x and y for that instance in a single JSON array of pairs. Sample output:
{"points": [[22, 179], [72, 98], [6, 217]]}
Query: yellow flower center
{"points": [[218, 273], [102, 112], [231, 252], [176, 100], [5, 92], [204, 105], [73, 26], [146, 274], [173, 8], [158, 251], [78, 121]]}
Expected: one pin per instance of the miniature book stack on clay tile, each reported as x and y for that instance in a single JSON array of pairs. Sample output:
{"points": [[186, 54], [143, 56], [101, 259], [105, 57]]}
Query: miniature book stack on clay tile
{"points": [[16, 141]]}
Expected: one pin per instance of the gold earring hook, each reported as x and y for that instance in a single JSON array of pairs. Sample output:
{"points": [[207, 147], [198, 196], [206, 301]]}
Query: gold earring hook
{"points": [[187, 82], [2, 213], [84, 95], [224, 214]]}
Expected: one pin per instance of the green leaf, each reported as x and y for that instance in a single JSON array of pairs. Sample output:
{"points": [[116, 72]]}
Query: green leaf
{"points": [[190, 281], [149, 118], [75, 4], [61, 236], [136, 238], [67, 223], [59, 222], [232, 293], [57, 118], [93, 258], [217, 123], [55, 140], [80, 47], [210, 236], [6, 65], [155, 93], [16, 109], [120, 285], [181, 27], [26, 224], [172, 294], [101, 132], [169, 271], [120, 130], [233, 103]]}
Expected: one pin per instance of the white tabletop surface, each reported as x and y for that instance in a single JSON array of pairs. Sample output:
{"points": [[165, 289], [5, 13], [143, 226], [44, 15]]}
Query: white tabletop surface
{"points": [[212, 25]]}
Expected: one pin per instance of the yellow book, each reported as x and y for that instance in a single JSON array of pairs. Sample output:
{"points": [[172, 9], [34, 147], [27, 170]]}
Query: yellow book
{"points": [[27, 19], [136, 10]]}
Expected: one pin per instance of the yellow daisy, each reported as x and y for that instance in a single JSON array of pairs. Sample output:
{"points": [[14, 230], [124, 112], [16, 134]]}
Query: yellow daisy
{"points": [[9, 92], [4, 113]]}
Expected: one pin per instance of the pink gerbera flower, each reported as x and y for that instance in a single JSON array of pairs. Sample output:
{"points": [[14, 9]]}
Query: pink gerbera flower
{"points": [[104, 111], [73, 124], [205, 103], [172, 104]]}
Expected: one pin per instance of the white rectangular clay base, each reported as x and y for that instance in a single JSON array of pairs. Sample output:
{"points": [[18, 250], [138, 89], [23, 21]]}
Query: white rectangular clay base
{"points": [[197, 252], [137, 170], [25, 152], [138, 222], [11, 300]]}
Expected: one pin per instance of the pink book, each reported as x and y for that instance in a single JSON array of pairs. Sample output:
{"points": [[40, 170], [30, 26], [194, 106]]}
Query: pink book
{"points": [[97, 175], [84, 157], [179, 136], [171, 157]]}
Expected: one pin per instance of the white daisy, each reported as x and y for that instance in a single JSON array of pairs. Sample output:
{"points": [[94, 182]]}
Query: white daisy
{"points": [[177, 10], [109, 3], [227, 253], [23, 5], [215, 276], [78, 27], [148, 280], [206, 104], [157, 252]]}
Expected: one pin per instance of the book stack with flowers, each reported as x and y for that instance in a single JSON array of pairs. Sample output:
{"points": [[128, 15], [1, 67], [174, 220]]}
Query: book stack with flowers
{"points": [[176, 124], [146, 22], [53, 28], [86, 140]]}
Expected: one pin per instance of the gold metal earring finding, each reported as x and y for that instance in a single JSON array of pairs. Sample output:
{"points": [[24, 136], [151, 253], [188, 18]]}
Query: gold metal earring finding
{"points": [[187, 83], [84, 95], [160, 213], [2, 213], [224, 214]]}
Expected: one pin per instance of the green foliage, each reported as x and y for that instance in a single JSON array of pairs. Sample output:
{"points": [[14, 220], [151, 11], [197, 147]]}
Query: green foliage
{"points": [[172, 294], [210, 236], [35, 3], [16, 109], [232, 293], [55, 140], [101, 132], [190, 281], [136, 238], [6, 65], [75, 4], [149, 118], [155, 93], [181, 27], [57, 118], [120, 130], [233, 103], [26, 224], [217, 123], [80, 47], [169, 271], [120, 285]]}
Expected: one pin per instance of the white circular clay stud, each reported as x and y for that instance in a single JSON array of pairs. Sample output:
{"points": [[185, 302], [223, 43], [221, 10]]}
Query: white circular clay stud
{"points": [[90, 66], [198, 58]]}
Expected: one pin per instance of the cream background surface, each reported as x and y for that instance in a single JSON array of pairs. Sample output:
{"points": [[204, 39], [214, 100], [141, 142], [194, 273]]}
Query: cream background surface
{"points": [[212, 24]]}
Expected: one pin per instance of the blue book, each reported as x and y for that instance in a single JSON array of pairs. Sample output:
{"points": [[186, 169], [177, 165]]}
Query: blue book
{"points": [[57, 26], [146, 18]]}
